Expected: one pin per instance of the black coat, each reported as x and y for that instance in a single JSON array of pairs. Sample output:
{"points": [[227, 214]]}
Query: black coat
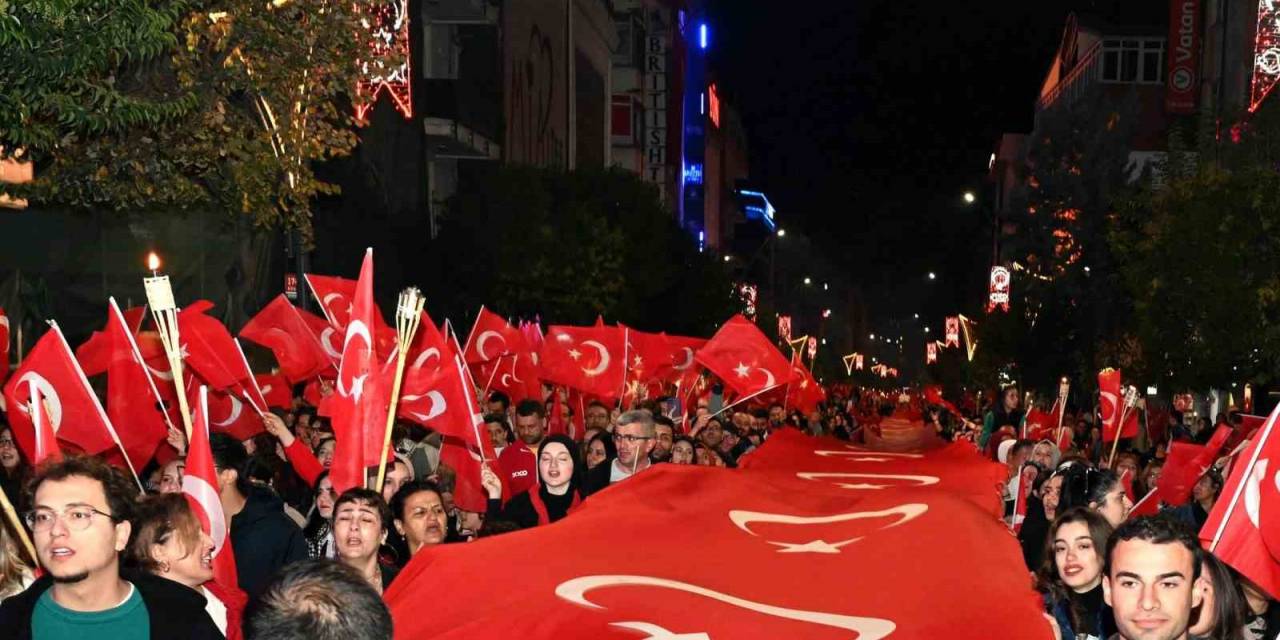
{"points": [[264, 539], [175, 611]]}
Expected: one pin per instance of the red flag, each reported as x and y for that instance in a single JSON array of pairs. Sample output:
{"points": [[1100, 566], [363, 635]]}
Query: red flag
{"points": [[337, 298], [276, 390], [229, 412], [75, 414], [133, 401], [744, 358], [1243, 528], [557, 424], [591, 359], [492, 337], [515, 375], [200, 486], [1111, 398], [208, 348], [280, 327], [1217, 440], [465, 461], [769, 527], [1149, 505], [1183, 465], [95, 353], [1022, 489], [358, 405], [330, 339], [4, 345], [46, 442]]}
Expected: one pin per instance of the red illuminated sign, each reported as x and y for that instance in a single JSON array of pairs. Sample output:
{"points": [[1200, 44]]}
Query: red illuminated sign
{"points": [[713, 105], [1184, 56]]}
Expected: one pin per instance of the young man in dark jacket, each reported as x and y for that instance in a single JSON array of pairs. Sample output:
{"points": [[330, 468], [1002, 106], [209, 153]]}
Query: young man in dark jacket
{"points": [[263, 538], [80, 520]]}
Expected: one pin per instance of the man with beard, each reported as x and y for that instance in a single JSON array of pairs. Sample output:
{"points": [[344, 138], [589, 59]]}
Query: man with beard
{"points": [[597, 416], [80, 523], [520, 460], [664, 438]]}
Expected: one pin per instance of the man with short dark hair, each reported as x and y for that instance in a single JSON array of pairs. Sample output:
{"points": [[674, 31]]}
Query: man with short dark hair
{"points": [[597, 416], [80, 522], [498, 402], [664, 438], [318, 600], [1151, 575], [263, 537], [520, 460]]}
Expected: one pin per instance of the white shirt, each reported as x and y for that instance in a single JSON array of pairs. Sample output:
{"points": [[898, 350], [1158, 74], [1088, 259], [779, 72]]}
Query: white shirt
{"points": [[618, 473], [216, 610]]}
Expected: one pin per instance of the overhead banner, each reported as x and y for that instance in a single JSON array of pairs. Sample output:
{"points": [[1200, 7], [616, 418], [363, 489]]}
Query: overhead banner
{"points": [[1183, 81]]}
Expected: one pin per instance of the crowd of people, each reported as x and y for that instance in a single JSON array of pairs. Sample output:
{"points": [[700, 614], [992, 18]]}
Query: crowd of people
{"points": [[313, 563]]}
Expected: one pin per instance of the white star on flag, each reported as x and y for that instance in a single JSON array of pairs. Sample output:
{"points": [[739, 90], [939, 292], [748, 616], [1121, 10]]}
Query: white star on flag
{"points": [[575, 354], [742, 370]]}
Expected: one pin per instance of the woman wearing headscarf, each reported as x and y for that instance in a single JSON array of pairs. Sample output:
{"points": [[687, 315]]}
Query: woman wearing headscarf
{"points": [[559, 487]]}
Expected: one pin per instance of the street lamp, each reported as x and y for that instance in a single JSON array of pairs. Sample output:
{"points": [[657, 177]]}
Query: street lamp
{"points": [[782, 233], [873, 336], [916, 316], [728, 258], [969, 198], [926, 329], [824, 287], [808, 280], [933, 276]]}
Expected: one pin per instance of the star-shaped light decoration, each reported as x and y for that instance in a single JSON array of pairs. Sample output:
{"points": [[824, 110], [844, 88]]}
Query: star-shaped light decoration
{"points": [[384, 62]]}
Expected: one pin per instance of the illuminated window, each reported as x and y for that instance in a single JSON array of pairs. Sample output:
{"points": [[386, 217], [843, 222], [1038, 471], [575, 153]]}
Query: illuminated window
{"points": [[1133, 60]]}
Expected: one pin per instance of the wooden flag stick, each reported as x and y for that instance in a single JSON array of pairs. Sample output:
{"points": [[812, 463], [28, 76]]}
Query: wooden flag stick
{"points": [[165, 313], [18, 529], [408, 315]]}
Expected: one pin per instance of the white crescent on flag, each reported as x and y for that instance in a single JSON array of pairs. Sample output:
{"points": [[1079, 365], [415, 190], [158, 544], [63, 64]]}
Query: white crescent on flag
{"points": [[326, 341], [207, 496], [603, 365], [743, 519], [919, 481], [421, 360], [769, 379], [1109, 402], [438, 404], [480, 340], [575, 591], [356, 329], [52, 402], [688, 359], [237, 408]]}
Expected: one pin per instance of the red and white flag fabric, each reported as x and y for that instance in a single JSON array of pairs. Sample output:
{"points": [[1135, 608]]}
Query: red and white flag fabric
{"points": [[280, 328], [465, 460], [423, 388], [95, 352], [337, 300], [1243, 529], [200, 486], [208, 348], [590, 359], [1021, 491], [1112, 407], [133, 400], [1183, 465], [768, 526], [275, 389], [4, 345], [46, 446], [230, 412], [515, 375], [744, 358], [492, 337], [75, 415], [329, 337], [359, 404]]}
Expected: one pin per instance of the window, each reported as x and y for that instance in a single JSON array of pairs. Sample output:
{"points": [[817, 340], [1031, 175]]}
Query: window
{"points": [[1134, 60]]}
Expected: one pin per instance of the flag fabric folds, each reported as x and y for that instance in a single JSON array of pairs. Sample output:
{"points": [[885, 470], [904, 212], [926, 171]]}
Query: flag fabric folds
{"points": [[747, 362]]}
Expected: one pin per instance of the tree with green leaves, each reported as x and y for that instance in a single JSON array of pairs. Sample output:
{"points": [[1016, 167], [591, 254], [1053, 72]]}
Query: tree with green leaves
{"points": [[176, 105], [1199, 251], [569, 247]]}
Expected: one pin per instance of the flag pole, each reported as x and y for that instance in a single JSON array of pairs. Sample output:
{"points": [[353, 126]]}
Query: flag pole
{"points": [[20, 530], [408, 315], [743, 399], [165, 313], [137, 355]]}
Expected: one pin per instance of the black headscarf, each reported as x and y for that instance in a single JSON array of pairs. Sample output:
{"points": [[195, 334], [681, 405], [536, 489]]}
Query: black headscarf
{"points": [[558, 506]]}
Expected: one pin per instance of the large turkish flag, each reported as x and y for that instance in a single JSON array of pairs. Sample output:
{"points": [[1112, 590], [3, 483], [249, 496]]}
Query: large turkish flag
{"points": [[699, 553]]}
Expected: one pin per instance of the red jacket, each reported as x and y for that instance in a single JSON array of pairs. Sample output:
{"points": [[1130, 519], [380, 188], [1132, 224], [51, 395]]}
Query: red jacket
{"points": [[520, 466], [304, 462]]}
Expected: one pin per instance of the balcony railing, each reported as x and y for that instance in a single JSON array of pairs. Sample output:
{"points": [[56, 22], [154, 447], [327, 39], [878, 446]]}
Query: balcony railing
{"points": [[1069, 89]]}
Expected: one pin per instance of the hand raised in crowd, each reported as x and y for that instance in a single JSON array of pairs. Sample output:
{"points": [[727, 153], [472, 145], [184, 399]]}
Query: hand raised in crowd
{"points": [[274, 425], [177, 439], [326, 388], [490, 481], [698, 423]]}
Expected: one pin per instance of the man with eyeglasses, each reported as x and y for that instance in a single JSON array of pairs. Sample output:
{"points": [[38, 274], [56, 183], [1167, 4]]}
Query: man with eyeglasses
{"points": [[80, 523], [634, 438]]}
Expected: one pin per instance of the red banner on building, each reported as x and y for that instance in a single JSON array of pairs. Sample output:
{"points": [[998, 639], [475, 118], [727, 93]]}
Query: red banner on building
{"points": [[1183, 82]]}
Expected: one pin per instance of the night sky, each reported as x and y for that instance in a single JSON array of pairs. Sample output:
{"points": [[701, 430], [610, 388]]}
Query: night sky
{"points": [[868, 120]]}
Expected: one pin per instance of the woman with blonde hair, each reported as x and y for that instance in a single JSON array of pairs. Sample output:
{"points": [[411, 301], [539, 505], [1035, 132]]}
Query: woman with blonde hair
{"points": [[15, 574]]}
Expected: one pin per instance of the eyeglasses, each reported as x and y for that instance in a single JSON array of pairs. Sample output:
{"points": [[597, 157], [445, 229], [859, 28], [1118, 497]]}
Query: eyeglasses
{"points": [[7, 442], [630, 439], [76, 518]]}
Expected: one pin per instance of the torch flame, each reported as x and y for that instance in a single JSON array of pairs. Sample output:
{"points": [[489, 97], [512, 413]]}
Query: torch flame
{"points": [[153, 261]]}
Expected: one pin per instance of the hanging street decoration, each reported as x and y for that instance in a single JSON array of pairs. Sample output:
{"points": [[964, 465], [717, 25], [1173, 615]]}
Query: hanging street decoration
{"points": [[784, 328], [849, 360], [747, 295], [1266, 53], [966, 327], [931, 353], [998, 295], [953, 332], [813, 348], [384, 63]]}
